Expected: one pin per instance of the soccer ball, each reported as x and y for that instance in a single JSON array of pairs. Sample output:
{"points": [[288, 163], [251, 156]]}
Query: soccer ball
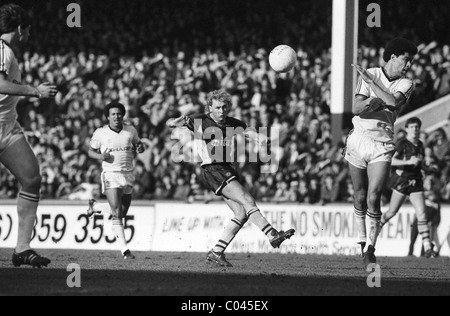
{"points": [[282, 58]]}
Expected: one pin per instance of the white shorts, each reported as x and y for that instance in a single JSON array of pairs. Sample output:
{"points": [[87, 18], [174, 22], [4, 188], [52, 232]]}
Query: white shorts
{"points": [[361, 150], [118, 180], [10, 132]]}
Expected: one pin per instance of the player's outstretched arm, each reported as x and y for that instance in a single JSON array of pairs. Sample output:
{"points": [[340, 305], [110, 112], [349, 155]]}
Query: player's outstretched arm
{"points": [[44, 90], [176, 122]]}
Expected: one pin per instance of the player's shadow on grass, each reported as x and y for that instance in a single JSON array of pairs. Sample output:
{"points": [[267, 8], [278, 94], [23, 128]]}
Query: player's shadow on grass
{"points": [[53, 282]]}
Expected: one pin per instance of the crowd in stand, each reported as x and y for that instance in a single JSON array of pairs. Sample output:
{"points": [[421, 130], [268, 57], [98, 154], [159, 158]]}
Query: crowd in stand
{"points": [[161, 58]]}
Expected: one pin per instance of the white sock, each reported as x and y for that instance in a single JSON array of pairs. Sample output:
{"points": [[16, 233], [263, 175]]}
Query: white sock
{"points": [[375, 227], [228, 235], [27, 205], [424, 231], [360, 218], [119, 232], [255, 217]]}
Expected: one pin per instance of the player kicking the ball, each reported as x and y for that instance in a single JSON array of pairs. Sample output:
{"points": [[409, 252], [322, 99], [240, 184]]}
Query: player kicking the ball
{"points": [[215, 132], [15, 152], [115, 145], [381, 92]]}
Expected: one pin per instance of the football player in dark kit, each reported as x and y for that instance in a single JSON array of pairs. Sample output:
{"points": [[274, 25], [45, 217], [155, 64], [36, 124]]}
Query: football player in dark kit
{"points": [[407, 180], [214, 132]]}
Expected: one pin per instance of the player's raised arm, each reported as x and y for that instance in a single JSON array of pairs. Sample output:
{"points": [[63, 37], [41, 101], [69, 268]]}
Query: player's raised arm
{"points": [[385, 99], [378, 89]]}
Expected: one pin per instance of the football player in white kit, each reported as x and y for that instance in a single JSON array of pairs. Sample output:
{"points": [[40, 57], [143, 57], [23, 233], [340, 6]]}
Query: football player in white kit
{"points": [[380, 94], [115, 145], [15, 152]]}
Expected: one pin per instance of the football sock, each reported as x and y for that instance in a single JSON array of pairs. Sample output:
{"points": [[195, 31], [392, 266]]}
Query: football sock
{"points": [[413, 237], [117, 226], [255, 216], [228, 235], [27, 205], [424, 231], [374, 228], [360, 218]]}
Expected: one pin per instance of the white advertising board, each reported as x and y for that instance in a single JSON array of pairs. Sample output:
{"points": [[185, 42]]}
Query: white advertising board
{"points": [[328, 229], [68, 227]]}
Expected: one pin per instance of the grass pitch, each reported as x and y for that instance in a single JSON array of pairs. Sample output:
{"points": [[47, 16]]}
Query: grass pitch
{"points": [[104, 273]]}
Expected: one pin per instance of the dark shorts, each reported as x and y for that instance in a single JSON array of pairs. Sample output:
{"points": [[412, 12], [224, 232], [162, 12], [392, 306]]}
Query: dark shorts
{"points": [[404, 185], [218, 176]]}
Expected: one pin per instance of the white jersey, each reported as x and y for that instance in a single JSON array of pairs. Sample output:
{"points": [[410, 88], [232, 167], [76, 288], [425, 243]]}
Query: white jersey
{"points": [[380, 125], [120, 145], [10, 68]]}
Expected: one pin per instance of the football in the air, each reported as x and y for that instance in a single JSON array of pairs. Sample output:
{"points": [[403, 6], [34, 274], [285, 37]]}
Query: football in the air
{"points": [[282, 58]]}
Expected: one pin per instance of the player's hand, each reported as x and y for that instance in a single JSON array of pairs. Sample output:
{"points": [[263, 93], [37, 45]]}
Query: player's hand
{"points": [[365, 75], [139, 147], [178, 122], [415, 161], [106, 155], [47, 90], [377, 104]]}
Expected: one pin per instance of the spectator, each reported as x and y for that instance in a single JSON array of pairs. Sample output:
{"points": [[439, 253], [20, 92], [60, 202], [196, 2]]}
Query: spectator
{"points": [[439, 144], [314, 191], [329, 191], [182, 190]]}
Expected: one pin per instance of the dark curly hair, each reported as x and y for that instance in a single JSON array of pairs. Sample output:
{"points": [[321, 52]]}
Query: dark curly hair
{"points": [[113, 105], [399, 46]]}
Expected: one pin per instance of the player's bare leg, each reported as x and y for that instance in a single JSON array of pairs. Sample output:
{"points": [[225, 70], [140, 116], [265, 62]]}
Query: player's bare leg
{"points": [[114, 197], [397, 200], [418, 201], [126, 203], [26, 171], [237, 193], [377, 173], [360, 184], [217, 255]]}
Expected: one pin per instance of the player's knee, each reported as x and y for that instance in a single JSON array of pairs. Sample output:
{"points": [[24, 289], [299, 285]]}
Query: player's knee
{"points": [[374, 200], [361, 200], [241, 215], [32, 184], [248, 201]]}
